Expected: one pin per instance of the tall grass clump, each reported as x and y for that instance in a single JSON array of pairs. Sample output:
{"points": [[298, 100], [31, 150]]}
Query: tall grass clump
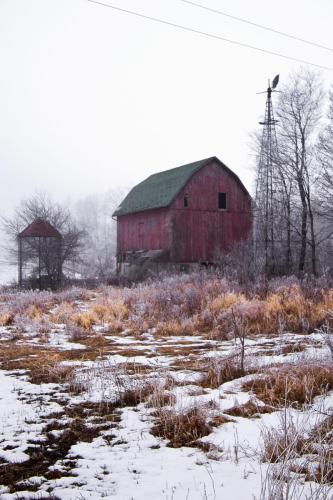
{"points": [[182, 427], [297, 384]]}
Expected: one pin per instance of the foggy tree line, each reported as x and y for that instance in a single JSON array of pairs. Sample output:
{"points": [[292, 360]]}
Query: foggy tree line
{"points": [[300, 217]]}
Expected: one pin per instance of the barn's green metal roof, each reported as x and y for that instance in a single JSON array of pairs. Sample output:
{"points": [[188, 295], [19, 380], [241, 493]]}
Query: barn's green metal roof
{"points": [[159, 190]]}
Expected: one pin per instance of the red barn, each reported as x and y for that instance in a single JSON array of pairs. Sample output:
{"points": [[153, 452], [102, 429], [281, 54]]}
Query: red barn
{"points": [[183, 215]]}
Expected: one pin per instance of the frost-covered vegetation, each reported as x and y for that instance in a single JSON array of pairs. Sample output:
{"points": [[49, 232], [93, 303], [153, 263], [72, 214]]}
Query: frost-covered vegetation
{"points": [[188, 386]]}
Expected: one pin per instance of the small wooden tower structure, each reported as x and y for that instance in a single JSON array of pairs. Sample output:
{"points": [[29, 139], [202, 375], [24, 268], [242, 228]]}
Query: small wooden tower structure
{"points": [[39, 251]]}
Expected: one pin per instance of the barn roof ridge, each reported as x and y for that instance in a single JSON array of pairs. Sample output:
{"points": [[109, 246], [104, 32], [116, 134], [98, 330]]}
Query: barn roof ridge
{"points": [[160, 189]]}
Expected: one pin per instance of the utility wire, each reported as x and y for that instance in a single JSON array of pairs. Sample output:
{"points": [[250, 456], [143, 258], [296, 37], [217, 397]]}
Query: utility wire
{"points": [[210, 35], [257, 25]]}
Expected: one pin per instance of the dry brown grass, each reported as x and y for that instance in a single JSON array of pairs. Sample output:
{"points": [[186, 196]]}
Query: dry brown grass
{"points": [[44, 367], [324, 431], [280, 444], [63, 313], [286, 443], [181, 428], [114, 314], [225, 301], [176, 328], [178, 306], [6, 319], [289, 309], [160, 398], [110, 311], [39, 361], [249, 410], [218, 420], [182, 350], [96, 341], [135, 368], [291, 348], [295, 385], [49, 369], [217, 372], [34, 312], [15, 357], [136, 395], [84, 320]]}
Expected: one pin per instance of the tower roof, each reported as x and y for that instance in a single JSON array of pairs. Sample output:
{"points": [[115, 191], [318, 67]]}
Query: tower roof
{"points": [[40, 228]]}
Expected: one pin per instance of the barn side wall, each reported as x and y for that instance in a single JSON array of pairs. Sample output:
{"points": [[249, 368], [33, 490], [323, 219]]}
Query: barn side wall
{"points": [[149, 230], [201, 229]]}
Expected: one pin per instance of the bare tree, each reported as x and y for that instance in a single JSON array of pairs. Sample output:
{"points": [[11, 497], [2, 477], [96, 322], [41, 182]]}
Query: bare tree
{"points": [[94, 214], [300, 217], [298, 112], [325, 157]]}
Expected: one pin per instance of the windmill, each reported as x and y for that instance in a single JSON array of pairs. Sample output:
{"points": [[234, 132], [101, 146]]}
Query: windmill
{"points": [[266, 175]]}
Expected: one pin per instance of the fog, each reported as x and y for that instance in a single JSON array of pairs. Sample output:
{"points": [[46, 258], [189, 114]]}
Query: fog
{"points": [[93, 99]]}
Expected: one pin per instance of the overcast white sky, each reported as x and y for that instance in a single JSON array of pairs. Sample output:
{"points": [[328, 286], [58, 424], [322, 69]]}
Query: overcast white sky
{"points": [[93, 99]]}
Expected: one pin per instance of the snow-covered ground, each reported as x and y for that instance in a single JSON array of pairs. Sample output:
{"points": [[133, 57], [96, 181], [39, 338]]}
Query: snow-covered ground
{"points": [[76, 437]]}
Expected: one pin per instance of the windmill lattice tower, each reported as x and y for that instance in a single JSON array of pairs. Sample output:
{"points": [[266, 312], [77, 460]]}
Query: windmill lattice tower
{"points": [[267, 196]]}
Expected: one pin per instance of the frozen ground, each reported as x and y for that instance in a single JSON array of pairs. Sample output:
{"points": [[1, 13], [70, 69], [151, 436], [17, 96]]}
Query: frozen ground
{"points": [[76, 421]]}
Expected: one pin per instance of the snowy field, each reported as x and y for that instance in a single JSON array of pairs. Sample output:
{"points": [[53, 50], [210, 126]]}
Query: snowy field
{"points": [[160, 392]]}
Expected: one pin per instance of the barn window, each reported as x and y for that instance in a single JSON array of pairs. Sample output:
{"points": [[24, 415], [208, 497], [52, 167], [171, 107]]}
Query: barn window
{"points": [[222, 201], [186, 200]]}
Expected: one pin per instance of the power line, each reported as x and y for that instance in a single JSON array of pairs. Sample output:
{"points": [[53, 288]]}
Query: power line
{"points": [[257, 25], [210, 35]]}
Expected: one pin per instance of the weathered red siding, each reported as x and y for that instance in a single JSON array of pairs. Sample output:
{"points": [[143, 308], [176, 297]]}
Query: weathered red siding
{"points": [[148, 230], [201, 229], [197, 232]]}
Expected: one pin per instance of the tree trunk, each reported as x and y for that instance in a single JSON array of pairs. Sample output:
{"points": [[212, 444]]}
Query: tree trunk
{"points": [[288, 250], [313, 242], [302, 253]]}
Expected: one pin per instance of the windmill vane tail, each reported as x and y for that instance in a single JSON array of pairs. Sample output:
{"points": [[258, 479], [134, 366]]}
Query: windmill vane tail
{"points": [[275, 81]]}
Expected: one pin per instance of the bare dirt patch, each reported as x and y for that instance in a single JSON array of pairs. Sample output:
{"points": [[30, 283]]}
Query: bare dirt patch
{"points": [[45, 452]]}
